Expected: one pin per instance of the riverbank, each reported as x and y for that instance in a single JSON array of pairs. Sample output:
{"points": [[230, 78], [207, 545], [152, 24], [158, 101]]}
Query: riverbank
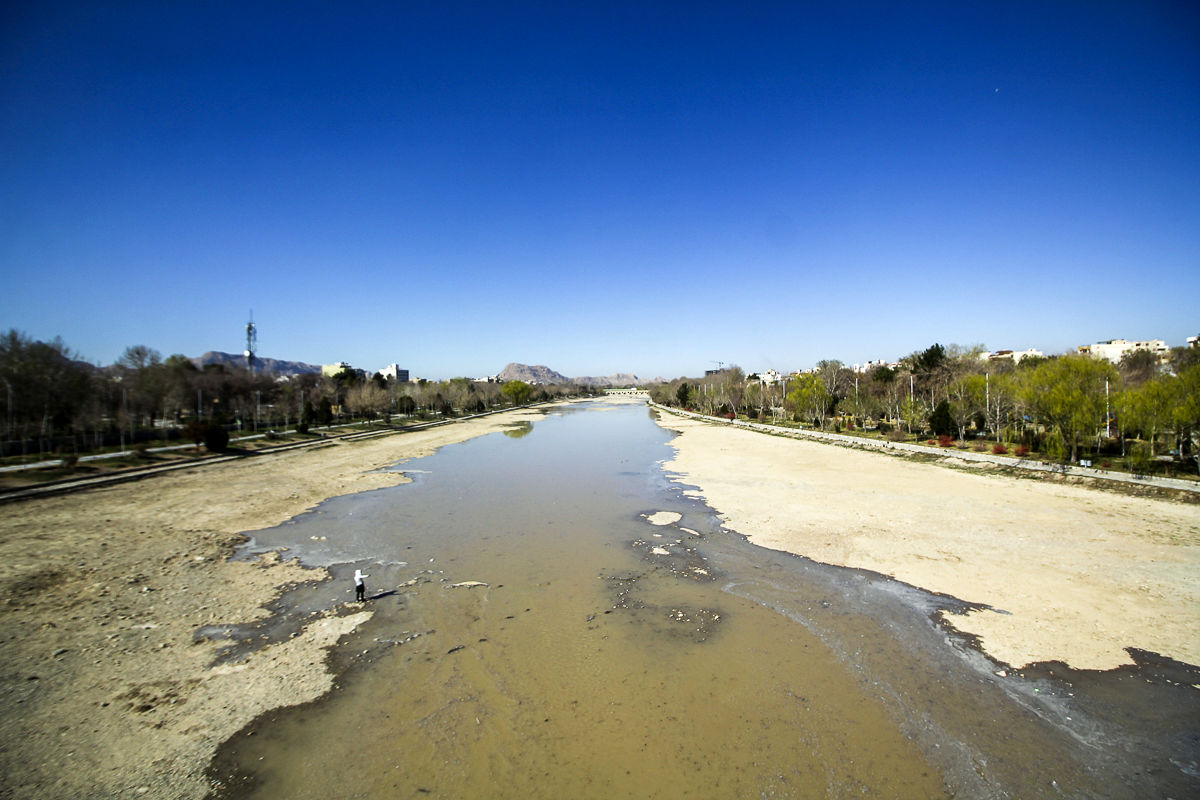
{"points": [[104, 691], [1066, 573]]}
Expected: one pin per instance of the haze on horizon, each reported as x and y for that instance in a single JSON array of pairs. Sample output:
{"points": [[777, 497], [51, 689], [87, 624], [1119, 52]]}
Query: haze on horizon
{"points": [[619, 188]]}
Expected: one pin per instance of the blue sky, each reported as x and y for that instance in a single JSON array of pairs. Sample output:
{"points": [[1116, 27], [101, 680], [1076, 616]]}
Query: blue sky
{"points": [[641, 187]]}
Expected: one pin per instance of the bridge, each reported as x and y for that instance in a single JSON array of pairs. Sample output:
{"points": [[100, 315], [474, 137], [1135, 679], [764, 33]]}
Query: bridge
{"points": [[642, 393]]}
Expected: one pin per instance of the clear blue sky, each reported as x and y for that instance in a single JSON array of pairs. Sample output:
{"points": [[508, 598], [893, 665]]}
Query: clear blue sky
{"points": [[600, 187]]}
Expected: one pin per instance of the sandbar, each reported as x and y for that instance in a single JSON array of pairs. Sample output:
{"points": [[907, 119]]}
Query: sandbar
{"points": [[104, 689], [1065, 572]]}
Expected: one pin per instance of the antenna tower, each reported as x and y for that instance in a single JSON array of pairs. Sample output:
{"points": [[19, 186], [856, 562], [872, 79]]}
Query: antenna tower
{"points": [[251, 342]]}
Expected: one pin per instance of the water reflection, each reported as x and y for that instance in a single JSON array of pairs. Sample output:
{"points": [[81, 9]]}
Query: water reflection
{"points": [[519, 430]]}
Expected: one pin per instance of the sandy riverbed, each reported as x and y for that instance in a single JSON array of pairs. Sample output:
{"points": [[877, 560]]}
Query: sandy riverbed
{"points": [[1074, 573], [102, 691]]}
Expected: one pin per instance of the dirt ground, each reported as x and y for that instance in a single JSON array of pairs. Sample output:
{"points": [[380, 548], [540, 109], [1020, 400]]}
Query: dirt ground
{"points": [[1072, 573], [103, 690]]}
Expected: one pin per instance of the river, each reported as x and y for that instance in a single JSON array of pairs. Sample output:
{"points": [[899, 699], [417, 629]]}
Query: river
{"points": [[556, 617]]}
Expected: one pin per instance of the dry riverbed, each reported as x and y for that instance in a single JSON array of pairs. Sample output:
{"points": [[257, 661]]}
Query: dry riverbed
{"points": [[104, 689], [1069, 573]]}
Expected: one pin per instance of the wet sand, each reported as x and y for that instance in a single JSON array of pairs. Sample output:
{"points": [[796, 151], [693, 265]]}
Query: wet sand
{"points": [[1066, 573], [104, 689]]}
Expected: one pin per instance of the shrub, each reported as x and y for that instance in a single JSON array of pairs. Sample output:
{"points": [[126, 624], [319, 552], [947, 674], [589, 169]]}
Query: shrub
{"points": [[979, 447], [302, 427], [945, 440], [194, 431], [216, 439], [999, 449], [897, 436], [940, 420], [1020, 451], [70, 461], [1106, 464], [883, 428], [931, 441], [141, 450], [1055, 446], [1139, 458]]}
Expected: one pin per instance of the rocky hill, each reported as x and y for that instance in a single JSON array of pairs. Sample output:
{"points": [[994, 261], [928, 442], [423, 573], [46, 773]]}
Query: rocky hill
{"points": [[270, 365], [543, 374]]}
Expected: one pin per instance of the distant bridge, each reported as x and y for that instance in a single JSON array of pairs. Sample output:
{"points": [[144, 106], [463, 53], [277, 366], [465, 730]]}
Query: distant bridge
{"points": [[628, 393]]}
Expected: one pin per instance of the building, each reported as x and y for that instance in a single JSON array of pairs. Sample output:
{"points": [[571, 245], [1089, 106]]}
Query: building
{"points": [[1193, 341], [869, 366], [1014, 356], [770, 376], [393, 372], [1115, 349], [329, 370]]}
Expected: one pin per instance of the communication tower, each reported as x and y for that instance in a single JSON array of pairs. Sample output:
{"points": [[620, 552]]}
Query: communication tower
{"points": [[251, 342]]}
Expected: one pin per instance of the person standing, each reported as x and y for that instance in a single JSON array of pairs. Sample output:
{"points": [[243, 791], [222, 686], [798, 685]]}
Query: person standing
{"points": [[360, 585]]}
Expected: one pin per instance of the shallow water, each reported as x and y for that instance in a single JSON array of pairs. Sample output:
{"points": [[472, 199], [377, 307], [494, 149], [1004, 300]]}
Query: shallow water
{"points": [[598, 655]]}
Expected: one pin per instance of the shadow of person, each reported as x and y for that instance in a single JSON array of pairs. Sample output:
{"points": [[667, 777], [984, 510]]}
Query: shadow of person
{"points": [[388, 593]]}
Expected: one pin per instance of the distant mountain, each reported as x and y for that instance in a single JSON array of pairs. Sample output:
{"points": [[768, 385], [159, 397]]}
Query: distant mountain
{"points": [[271, 365], [543, 374], [536, 374]]}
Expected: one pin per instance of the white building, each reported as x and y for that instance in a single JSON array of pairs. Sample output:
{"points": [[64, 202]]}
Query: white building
{"points": [[394, 372], [1014, 356], [770, 376], [1116, 349], [329, 370]]}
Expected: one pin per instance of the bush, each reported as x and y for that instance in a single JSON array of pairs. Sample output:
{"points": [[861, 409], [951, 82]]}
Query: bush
{"points": [[1055, 446], [1139, 458], [999, 450], [302, 427], [141, 450], [216, 439], [945, 440], [1020, 451], [897, 435], [883, 428], [940, 420], [70, 461], [980, 447]]}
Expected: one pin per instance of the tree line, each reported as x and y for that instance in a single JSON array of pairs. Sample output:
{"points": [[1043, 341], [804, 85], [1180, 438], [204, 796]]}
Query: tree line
{"points": [[1063, 407], [51, 401]]}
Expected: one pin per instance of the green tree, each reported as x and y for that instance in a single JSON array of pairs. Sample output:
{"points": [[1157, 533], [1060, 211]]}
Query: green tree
{"points": [[1067, 393], [808, 399], [1150, 407], [1186, 414], [967, 401], [683, 394], [517, 392], [940, 421]]}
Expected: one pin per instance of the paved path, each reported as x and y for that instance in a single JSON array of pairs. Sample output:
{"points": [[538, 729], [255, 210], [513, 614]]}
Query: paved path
{"points": [[965, 455]]}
